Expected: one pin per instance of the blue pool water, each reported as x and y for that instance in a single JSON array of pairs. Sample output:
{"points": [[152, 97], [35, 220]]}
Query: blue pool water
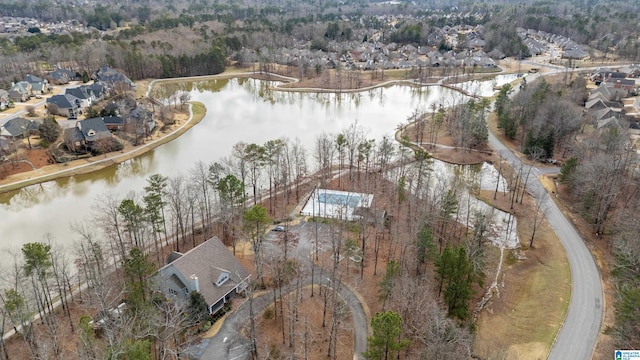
{"points": [[339, 199]]}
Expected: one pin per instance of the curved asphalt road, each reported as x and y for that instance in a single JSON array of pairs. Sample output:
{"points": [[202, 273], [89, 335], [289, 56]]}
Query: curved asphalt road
{"points": [[230, 344], [579, 332]]}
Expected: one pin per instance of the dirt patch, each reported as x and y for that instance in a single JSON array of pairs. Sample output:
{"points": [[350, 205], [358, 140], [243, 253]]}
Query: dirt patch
{"points": [[26, 160], [308, 337]]}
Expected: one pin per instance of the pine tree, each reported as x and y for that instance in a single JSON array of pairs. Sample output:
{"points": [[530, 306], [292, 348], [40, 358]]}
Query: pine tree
{"points": [[385, 343]]}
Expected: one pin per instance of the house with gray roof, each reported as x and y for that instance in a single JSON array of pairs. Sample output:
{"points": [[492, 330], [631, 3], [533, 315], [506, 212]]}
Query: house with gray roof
{"points": [[209, 268], [609, 92], [18, 127], [597, 104], [86, 97], [113, 122], [609, 123], [64, 105], [20, 91], [112, 77], [627, 84], [143, 119], [606, 113], [62, 76], [39, 85], [98, 89], [86, 135]]}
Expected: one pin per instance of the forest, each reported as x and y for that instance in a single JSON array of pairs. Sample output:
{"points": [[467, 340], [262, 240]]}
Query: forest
{"points": [[179, 39], [151, 39]]}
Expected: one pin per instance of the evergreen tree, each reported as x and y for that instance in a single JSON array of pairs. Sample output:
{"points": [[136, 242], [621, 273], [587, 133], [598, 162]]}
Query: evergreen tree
{"points": [[385, 343], [455, 271]]}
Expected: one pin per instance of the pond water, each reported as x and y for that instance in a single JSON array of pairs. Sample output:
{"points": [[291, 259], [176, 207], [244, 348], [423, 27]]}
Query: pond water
{"points": [[237, 110], [487, 88]]}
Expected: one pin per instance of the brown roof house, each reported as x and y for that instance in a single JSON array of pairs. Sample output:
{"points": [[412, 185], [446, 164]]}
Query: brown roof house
{"points": [[210, 269]]}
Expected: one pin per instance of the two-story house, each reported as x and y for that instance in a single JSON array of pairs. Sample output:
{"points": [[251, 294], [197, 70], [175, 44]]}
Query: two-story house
{"points": [[209, 268]]}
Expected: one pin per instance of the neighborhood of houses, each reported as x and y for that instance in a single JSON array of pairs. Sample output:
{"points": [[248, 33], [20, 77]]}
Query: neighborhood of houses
{"points": [[466, 44], [615, 103], [23, 25], [119, 111]]}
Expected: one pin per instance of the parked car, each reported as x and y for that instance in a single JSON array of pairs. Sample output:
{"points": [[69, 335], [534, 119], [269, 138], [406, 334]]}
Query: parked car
{"points": [[278, 228]]}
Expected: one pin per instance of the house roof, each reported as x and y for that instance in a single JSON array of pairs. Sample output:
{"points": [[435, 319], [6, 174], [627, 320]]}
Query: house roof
{"points": [[625, 82], [21, 87], [112, 76], [93, 129], [80, 92], [207, 261], [604, 113], [139, 113], [97, 88], [66, 101], [73, 134], [32, 79], [18, 126], [609, 123], [112, 120], [62, 75]]}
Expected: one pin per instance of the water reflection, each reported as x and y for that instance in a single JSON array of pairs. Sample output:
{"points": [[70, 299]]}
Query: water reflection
{"points": [[237, 110], [487, 88]]}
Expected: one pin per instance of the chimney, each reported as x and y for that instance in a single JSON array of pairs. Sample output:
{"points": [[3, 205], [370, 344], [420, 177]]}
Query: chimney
{"points": [[195, 283]]}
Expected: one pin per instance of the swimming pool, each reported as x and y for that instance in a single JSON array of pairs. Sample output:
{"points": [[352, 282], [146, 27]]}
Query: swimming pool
{"points": [[351, 200]]}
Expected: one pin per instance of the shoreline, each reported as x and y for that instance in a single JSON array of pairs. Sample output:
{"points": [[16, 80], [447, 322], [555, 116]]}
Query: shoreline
{"points": [[84, 166], [95, 163]]}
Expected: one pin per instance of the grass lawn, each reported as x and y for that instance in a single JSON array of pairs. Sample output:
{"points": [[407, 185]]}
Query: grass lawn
{"points": [[523, 317]]}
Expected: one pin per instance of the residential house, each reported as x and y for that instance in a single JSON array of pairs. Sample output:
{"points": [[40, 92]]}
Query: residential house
{"points": [[609, 123], [98, 89], [83, 94], [627, 84], [603, 75], [112, 78], [18, 128], [5, 100], [113, 123], [209, 268], [20, 91], [606, 113], [39, 86], [632, 71], [597, 104], [611, 93], [143, 119], [64, 105], [86, 135], [62, 76]]}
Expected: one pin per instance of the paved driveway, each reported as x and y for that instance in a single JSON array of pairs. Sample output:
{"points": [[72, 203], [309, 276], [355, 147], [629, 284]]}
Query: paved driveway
{"points": [[230, 344]]}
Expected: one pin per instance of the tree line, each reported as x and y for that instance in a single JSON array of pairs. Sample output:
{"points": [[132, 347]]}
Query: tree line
{"points": [[224, 198]]}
